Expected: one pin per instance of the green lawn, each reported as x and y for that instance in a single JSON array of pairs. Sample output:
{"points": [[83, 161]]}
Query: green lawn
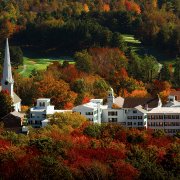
{"points": [[137, 46], [38, 64]]}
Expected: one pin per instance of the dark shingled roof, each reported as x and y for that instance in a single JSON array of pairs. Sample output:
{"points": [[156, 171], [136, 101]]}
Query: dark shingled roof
{"points": [[131, 102]]}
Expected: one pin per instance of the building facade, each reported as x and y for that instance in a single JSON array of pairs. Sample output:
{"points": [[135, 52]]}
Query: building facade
{"points": [[165, 118], [39, 113]]}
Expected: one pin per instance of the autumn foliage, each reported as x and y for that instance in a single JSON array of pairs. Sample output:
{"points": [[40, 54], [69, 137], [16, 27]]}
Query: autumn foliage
{"points": [[65, 151]]}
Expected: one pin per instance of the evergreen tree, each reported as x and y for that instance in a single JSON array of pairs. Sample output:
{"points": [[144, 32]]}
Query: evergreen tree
{"points": [[83, 61], [165, 73]]}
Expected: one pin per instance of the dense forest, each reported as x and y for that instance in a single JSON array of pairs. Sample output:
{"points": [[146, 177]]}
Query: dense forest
{"points": [[79, 24], [71, 148], [91, 32]]}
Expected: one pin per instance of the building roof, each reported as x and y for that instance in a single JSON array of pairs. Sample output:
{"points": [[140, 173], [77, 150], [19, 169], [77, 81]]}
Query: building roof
{"points": [[16, 97], [176, 94], [131, 102], [165, 110], [15, 114], [119, 101], [90, 105], [43, 99], [139, 108]]}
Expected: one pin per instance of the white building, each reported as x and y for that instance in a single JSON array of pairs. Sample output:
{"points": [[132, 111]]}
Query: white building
{"points": [[166, 118], [92, 110], [129, 112], [7, 82], [113, 112], [40, 112]]}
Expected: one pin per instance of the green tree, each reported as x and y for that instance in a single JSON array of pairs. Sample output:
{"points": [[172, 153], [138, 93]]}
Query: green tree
{"points": [[16, 55], [117, 41], [6, 103], [67, 120], [165, 73], [83, 61], [149, 68]]}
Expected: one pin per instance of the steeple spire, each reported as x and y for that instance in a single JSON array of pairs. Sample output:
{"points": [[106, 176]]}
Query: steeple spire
{"points": [[7, 81]]}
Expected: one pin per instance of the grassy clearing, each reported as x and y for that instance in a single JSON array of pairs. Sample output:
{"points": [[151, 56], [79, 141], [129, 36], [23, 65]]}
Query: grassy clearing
{"points": [[137, 46], [38, 64]]}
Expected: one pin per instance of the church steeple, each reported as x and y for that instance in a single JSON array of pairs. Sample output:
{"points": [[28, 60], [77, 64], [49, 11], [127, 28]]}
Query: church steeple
{"points": [[7, 81]]}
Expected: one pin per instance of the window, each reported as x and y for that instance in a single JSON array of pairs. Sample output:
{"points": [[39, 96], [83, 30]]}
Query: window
{"points": [[89, 113], [129, 123], [139, 117], [140, 123], [32, 115], [134, 117], [129, 117], [153, 123], [112, 113], [43, 115], [134, 111], [114, 119]]}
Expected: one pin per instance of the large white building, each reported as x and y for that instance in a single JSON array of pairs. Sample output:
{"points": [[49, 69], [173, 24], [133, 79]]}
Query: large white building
{"points": [[7, 82], [113, 112], [129, 112], [39, 113], [166, 118], [133, 112]]}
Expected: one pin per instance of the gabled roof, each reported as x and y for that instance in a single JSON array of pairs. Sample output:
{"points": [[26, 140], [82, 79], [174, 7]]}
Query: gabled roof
{"points": [[131, 102], [15, 114], [139, 108], [16, 98]]}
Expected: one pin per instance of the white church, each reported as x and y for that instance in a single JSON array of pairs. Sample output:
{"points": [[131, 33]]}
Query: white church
{"points": [[7, 82]]}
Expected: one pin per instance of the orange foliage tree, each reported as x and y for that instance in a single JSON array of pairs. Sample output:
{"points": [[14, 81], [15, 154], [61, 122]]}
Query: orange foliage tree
{"points": [[132, 6], [58, 90]]}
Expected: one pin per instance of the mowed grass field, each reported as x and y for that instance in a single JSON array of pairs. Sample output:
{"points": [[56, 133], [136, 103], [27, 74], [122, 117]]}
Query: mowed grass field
{"points": [[140, 49], [38, 64]]}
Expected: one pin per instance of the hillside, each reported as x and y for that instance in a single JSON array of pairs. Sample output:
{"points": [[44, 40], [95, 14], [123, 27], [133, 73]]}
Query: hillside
{"points": [[76, 149]]}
